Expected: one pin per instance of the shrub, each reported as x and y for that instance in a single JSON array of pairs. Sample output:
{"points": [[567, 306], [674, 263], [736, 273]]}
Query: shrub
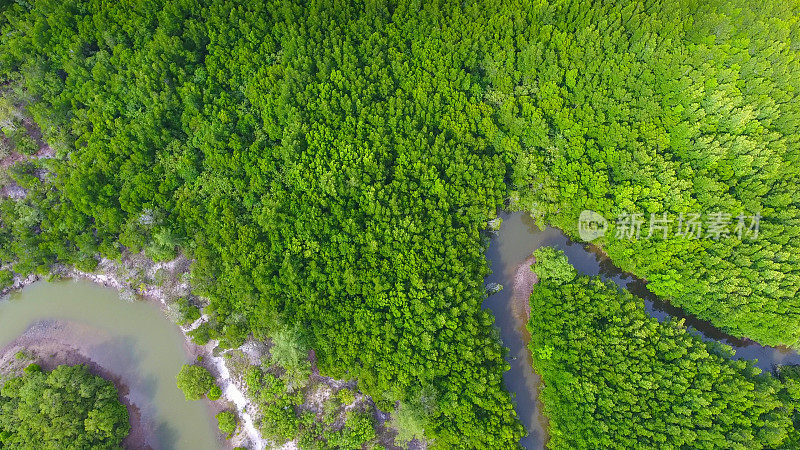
{"points": [[200, 335], [195, 381], [346, 396], [290, 352], [552, 264], [226, 422], [409, 421], [6, 278], [188, 313], [359, 428]]}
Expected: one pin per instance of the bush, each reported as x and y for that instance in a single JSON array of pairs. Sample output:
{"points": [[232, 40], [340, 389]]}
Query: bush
{"points": [[226, 422], [409, 421], [290, 352], [346, 396], [552, 264], [6, 278], [195, 381], [188, 313], [232, 335], [359, 428], [163, 246], [200, 335], [330, 410], [26, 145], [214, 393], [275, 405], [279, 421]]}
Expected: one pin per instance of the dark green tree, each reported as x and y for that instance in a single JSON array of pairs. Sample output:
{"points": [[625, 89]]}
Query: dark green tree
{"points": [[65, 408], [195, 381]]}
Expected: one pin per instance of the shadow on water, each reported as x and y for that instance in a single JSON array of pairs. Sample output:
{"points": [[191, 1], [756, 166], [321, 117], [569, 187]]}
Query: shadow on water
{"points": [[509, 258], [166, 435]]}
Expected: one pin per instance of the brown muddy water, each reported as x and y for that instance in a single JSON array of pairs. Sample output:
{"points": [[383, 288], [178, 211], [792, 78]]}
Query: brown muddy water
{"points": [[509, 258], [131, 340]]}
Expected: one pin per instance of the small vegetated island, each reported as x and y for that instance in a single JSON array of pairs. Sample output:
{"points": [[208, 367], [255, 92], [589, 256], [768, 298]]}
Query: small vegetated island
{"points": [[66, 408], [330, 167]]}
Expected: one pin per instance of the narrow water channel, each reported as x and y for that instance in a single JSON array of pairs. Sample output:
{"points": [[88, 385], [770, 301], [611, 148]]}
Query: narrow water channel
{"points": [[131, 340], [509, 258]]}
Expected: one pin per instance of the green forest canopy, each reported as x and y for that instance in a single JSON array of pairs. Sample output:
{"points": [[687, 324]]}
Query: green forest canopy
{"points": [[614, 377], [65, 408], [331, 166], [672, 108], [324, 164]]}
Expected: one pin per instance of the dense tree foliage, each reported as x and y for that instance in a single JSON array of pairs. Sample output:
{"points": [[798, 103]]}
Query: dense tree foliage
{"points": [[790, 376], [66, 408], [195, 382], [326, 165], [657, 107], [614, 377], [226, 422], [329, 166]]}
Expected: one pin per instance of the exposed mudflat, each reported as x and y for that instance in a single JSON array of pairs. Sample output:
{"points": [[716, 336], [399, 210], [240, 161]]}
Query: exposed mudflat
{"points": [[524, 279]]}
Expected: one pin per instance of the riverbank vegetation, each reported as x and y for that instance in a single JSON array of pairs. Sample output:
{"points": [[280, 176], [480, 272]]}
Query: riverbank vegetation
{"points": [[226, 422], [615, 377], [333, 178], [291, 404], [328, 168], [675, 108], [81, 410], [196, 382]]}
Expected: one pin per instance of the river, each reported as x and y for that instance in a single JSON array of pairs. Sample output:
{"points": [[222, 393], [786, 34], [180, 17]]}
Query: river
{"points": [[131, 340], [509, 257]]}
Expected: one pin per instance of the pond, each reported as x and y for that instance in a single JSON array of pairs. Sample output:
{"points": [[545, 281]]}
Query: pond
{"points": [[509, 258], [133, 341]]}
